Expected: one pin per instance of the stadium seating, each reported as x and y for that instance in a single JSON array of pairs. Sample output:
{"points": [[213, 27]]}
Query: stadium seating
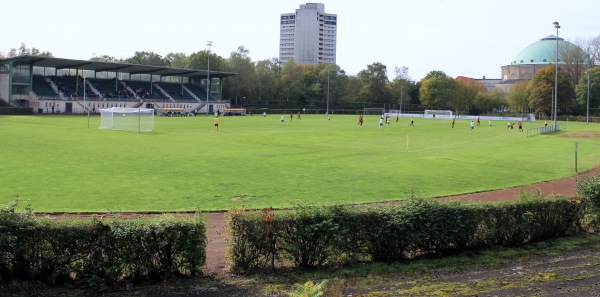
{"points": [[106, 87], [68, 86], [174, 90], [142, 90], [42, 88], [197, 90]]}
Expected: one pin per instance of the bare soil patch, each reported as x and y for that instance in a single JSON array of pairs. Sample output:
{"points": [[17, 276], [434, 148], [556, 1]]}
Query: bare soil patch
{"points": [[582, 134]]}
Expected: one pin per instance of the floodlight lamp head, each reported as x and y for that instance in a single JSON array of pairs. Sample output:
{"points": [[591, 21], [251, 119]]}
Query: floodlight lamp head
{"points": [[556, 25]]}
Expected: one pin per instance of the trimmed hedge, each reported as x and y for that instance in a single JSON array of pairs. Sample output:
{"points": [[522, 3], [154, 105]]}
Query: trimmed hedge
{"points": [[96, 252], [16, 110], [311, 236]]}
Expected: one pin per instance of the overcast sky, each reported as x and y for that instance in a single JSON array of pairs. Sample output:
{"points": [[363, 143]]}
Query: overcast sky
{"points": [[472, 38]]}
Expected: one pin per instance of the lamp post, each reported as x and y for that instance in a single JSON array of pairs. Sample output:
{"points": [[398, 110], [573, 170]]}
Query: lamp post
{"points": [[328, 88], [84, 95], [587, 113], [557, 26], [401, 93], [209, 43]]}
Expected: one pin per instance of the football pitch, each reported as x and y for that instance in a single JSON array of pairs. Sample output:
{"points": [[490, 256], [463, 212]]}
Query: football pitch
{"points": [[58, 164]]}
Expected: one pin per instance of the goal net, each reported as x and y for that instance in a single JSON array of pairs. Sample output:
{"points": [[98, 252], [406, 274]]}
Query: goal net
{"points": [[127, 119], [377, 111], [439, 113]]}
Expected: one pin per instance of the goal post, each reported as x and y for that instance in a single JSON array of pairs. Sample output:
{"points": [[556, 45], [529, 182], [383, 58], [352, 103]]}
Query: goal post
{"points": [[377, 111], [127, 119], [438, 113]]}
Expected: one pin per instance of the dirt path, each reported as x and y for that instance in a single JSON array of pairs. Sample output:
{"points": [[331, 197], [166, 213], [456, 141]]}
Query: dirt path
{"points": [[215, 251]]}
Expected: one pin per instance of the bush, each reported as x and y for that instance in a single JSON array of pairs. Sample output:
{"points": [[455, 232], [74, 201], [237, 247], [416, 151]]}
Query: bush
{"points": [[590, 189], [311, 236], [98, 252]]}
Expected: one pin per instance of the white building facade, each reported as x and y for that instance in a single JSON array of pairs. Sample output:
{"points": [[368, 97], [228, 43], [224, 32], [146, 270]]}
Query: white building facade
{"points": [[309, 36]]}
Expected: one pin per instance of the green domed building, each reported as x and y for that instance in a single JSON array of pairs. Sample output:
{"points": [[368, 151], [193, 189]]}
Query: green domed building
{"points": [[537, 56]]}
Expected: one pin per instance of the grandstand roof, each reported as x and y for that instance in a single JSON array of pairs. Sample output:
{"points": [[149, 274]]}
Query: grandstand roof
{"points": [[60, 63]]}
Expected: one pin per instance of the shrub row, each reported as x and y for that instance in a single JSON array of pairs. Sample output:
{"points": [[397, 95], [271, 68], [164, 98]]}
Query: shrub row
{"points": [[16, 111], [98, 252], [310, 236]]}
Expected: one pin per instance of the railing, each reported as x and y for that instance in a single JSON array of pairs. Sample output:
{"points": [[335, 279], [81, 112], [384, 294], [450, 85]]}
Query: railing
{"points": [[545, 129]]}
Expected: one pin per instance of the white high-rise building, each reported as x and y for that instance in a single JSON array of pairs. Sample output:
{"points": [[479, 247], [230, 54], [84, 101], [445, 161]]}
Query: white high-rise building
{"points": [[309, 36]]}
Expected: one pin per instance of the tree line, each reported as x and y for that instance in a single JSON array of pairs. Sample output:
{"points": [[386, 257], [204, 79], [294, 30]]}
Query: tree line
{"points": [[270, 82]]}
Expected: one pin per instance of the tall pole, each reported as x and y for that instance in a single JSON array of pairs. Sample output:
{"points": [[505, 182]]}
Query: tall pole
{"points": [[401, 92], [209, 43], [328, 88], [587, 113], [88, 110], [557, 26]]}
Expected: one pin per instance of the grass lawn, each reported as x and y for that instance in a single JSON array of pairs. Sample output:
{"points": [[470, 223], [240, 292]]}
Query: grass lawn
{"points": [[60, 165]]}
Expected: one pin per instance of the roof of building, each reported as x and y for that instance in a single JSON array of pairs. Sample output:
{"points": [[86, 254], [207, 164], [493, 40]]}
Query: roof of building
{"points": [[60, 63], [510, 81], [542, 51]]}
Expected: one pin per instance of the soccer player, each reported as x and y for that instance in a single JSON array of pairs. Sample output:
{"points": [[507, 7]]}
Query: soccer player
{"points": [[478, 122], [299, 116], [546, 123], [412, 123], [520, 127], [282, 122], [472, 126], [291, 117], [360, 120], [381, 122], [490, 124], [452, 123], [387, 120], [264, 114], [216, 121], [397, 115], [328, 117]]}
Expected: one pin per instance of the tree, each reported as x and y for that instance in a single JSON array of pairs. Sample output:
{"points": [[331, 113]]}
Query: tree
{"points": [[582, 89], [199, 60], [438, 91], [471, 95], [147, 58], [517, 97], [333, 75], [267, 72], [178, 60], [244, 84], [574, 60], [105, 58], [291, 80], [541, 89], [25, 51], [400, 88], [373, 84]]}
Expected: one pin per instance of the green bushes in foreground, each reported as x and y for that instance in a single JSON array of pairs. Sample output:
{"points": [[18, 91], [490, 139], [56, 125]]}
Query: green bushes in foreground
{"points": [[98, 252], [310, 236]]}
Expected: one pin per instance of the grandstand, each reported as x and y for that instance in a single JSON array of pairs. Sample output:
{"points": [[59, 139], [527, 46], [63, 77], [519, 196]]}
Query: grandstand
{"points": [[50, 85]]}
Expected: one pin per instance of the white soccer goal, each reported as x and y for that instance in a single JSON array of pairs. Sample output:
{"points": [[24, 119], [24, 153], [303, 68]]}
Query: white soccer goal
{"points": [[439, 113], [377, 111], [127, 119]]}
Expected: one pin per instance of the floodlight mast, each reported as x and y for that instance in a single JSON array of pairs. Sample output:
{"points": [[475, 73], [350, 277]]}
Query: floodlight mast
{"points": [[84, 95], [328, 88], [209, 43], [557, 26]]}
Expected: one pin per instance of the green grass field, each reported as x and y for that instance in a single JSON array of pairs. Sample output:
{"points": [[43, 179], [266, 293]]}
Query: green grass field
{"points": [[60, 165]]}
